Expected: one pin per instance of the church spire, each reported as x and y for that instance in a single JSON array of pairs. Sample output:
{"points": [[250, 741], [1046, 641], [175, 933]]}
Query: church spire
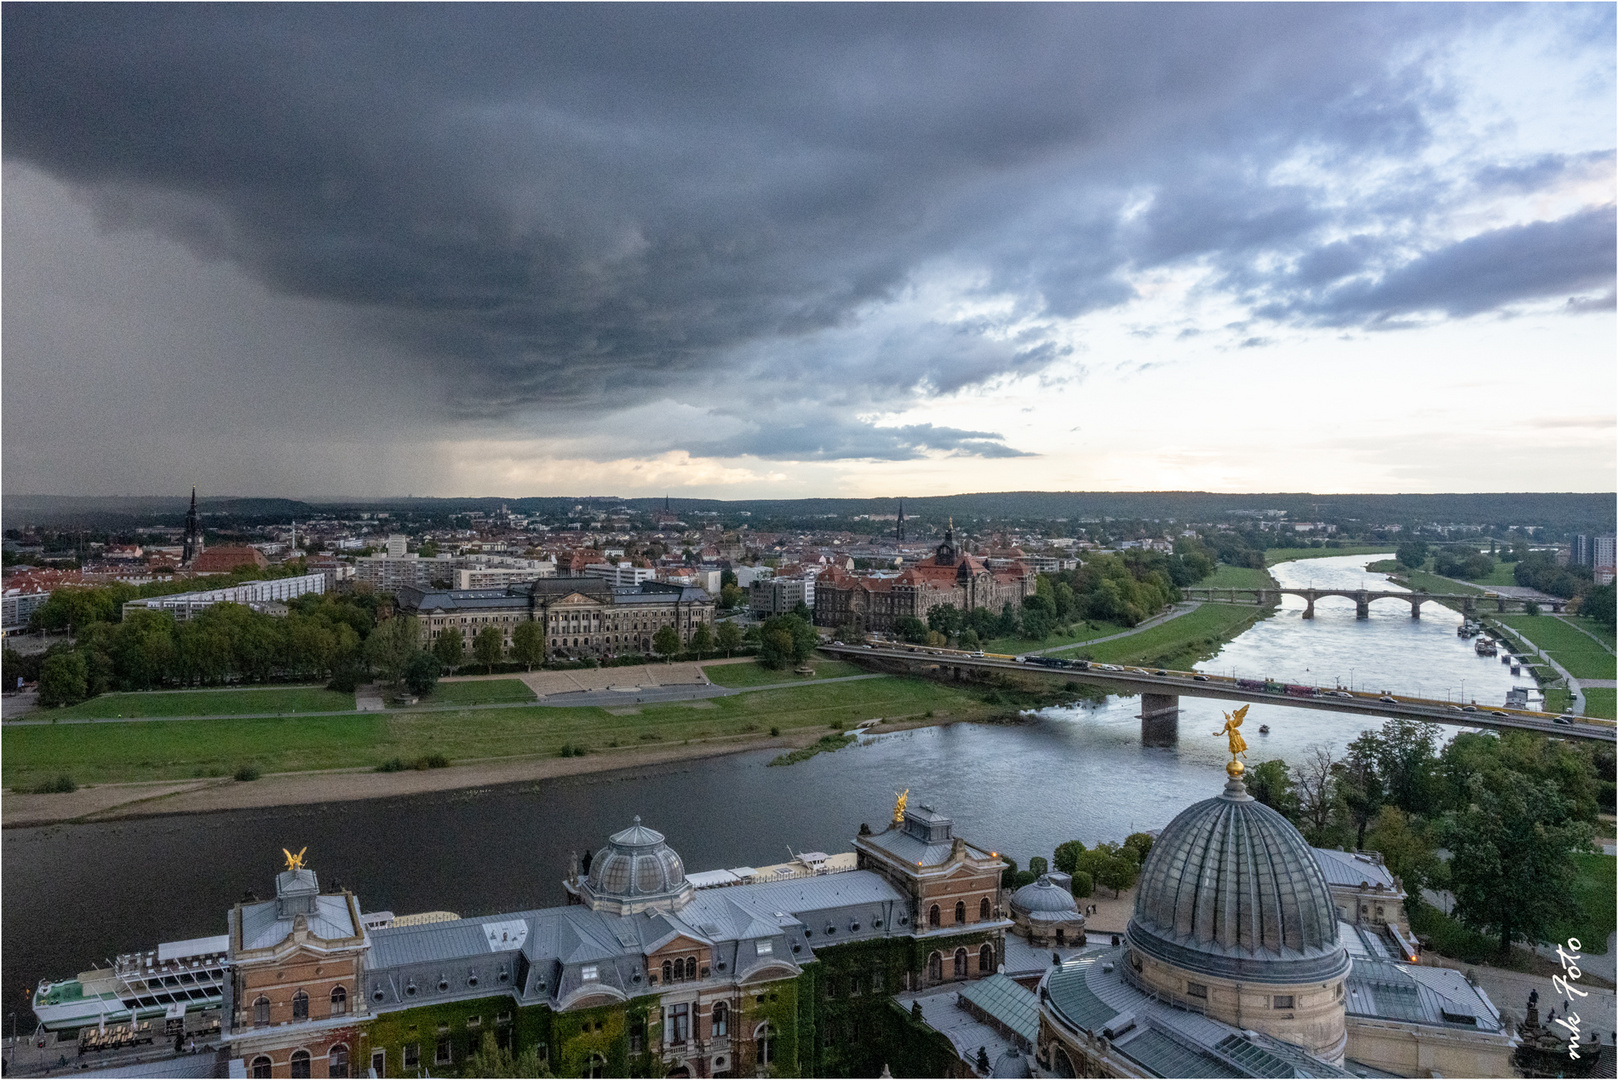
{"points": [[193, 533], [899, 536]]}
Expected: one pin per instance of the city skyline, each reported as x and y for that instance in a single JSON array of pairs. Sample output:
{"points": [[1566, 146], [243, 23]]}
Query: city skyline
{"points": [[778, 252]]}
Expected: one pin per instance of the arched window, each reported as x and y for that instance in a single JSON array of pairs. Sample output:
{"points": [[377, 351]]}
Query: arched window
{"points": [[597, 1066], [935, 967], [934, 916], [986, 958], [337, 1061], [261, 1010], [339, 1001], [960, 963], [300, 1063], [960, 912], [300, 1006], [764, 1044], [1061, 1064], [668, 971], [261, 1067], [721, 1020], [983, 909], [690, 967]]}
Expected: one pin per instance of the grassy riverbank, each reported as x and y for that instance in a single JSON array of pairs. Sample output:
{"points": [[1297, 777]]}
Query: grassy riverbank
{"points": [[269, 699], [1180, 642], [1236, 577], [1583, 657], [756, 674], [1082, 632], [184, 749]]}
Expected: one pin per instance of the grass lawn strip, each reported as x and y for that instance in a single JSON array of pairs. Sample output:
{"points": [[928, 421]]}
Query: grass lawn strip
{"points": [[1590, 626], [1583, 658], [756, 674], [479, 692], [1280, 555], [1180, 641], [190, 748], [1082, 632], [1602, 702], [1595, 895], [1236, 577], [1422, 581], [206, 703]]}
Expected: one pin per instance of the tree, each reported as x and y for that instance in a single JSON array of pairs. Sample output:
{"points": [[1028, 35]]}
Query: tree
{"points": [[1407, 851], [1408, 763], [1084, 884], [1067, 855], [450, 647], [1360, 784], [1511, 867], [1141, 844], [1118, 873], [970, 641], [1271, 784], [489, 647], [909, 628], [732, 596], [421, 672], [1315, 784], [1038, 866], [1601, 604], [392, 644], [528, 644], [666, 642], [490, 1060], [729, 637], [701, 640], [1412, 554], [63, 679], [786, 639]]}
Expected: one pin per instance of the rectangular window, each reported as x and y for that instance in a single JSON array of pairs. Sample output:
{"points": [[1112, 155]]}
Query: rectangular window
{"points": [[379, 1062], [637, 1036], [589, 973], [1196, 990], [1281, 1001], [680, 1016], [474, 1022], [412, 1055], [441, 1056], [764, 948], [502, 1038]]}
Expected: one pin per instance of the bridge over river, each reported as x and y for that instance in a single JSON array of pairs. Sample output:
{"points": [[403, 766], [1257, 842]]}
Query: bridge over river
{"points": [[1364, 598], [1161, 691]]}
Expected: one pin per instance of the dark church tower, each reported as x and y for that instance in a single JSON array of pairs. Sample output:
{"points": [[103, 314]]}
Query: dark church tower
{"points": [[193, 533], [944, 554], [900, 534]]}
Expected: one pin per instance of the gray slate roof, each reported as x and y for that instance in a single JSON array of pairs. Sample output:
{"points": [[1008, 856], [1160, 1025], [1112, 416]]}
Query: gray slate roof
{"points": [[262, 927], [1346, 868]]}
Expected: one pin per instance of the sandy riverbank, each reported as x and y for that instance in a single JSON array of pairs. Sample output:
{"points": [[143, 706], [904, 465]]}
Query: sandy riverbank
{"points": [[105, 802]]}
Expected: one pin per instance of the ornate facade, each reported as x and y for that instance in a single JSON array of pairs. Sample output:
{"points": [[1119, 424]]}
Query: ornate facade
{"points": [[877, 602]]}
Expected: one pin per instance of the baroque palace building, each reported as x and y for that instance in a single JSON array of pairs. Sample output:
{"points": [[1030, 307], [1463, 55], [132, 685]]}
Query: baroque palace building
{"points": [[641, 974], [876, 602], [581, 616]]}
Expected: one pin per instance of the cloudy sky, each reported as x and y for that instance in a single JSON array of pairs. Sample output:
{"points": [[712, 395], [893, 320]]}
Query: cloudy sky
{"points": [[744, 251]]}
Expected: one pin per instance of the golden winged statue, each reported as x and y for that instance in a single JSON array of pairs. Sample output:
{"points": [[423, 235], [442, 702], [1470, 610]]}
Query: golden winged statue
{"points": [[1238, 745], [899, 806], [294, 862]]}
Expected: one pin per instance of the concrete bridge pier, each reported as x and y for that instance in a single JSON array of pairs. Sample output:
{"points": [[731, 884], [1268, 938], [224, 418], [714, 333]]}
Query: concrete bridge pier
{"points": [[1502, 603], [1469, 606], [1415, 609], [1362, 605], [1309, 605], [1159, 719]]}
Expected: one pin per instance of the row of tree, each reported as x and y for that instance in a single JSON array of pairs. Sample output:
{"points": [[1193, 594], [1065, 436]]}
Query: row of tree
{"points": [[1108, 865], [1511, 810]]}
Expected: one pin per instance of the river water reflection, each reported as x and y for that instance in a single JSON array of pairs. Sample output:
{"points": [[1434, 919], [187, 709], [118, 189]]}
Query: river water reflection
{"points": [[73, 895]]}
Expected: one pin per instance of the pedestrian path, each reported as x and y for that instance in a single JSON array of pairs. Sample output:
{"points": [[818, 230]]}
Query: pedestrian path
{"points": [[1183, 608], [1575, 689]]}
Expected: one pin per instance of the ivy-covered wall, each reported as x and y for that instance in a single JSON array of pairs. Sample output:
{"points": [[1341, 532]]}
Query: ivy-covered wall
{"points": [[425, 1025], [778, 1003]]}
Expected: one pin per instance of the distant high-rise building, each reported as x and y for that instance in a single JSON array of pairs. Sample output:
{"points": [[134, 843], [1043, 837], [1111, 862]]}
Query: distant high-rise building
{"points": [[396, 546], [1603, 559], [1581, 552]]}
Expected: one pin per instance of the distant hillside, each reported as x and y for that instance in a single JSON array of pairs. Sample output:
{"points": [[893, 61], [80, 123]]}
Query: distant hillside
{"points": [[1558, 511]]}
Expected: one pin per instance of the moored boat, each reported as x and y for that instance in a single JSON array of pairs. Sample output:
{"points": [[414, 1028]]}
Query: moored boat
{"points": [[169, 981]]}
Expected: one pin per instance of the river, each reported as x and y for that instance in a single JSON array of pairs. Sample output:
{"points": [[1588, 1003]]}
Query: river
{"points": [[76, 894]]}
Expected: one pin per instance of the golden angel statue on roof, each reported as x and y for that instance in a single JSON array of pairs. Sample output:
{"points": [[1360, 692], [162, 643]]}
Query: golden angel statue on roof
{"points": [[1233, 721], [899, 806], [294, 862]]}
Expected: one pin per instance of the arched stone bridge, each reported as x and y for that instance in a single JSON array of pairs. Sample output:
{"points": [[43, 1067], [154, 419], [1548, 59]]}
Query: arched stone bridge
{"points": [[1364, 598]]}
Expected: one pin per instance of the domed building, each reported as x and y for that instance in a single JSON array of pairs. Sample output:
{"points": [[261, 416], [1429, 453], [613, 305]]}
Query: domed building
{"points": [[1236, 962], [637, 871], [1233, 918], [1047, 915]]}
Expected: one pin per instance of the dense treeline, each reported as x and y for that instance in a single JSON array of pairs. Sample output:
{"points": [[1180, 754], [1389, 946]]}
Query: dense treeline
{"points": [[321, 637], [73, 606], [1511, 809]]}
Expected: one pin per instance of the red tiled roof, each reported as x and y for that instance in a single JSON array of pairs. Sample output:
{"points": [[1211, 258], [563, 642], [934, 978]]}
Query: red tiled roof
{"points": [[222, 560]]}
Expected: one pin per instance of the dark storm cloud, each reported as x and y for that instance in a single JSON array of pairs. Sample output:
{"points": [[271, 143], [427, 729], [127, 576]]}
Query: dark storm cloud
{"points": [[588, 206], [1575, 254]]}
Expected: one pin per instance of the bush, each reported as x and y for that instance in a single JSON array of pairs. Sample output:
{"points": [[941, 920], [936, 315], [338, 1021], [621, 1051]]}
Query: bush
{"points": [[1083, 884], [432, 761], [774, 731], [63, 680], [421, 673], [62, 785], [569, 750], [247, 772], [346, 678], [391, 765]]}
